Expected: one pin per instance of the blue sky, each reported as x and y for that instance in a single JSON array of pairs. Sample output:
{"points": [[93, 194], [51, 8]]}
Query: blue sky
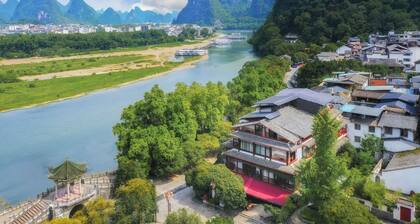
{"points": [[161, 6]]}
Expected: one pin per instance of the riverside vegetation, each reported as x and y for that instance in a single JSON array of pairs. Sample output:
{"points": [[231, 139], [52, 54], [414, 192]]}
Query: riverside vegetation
{"points": [[15, 93]]}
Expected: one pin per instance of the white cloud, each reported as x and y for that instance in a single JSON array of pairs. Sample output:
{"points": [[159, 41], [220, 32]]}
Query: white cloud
{"points": [[161, 6]]}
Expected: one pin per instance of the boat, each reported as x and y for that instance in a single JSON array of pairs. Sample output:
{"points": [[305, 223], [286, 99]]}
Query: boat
{"points": [[191, 52]]}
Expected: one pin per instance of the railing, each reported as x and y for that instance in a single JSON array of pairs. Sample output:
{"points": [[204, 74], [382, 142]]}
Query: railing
{"points": [[91, 193], [9, 210]]}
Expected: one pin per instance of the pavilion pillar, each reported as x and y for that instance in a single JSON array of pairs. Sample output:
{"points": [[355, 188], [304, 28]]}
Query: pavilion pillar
{"points": [[68, 190], [56, 191], [80, 187]]}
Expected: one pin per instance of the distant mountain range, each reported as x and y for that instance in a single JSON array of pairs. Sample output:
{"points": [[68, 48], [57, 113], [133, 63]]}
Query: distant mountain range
{"points": [[76, 11], [226, 13]]}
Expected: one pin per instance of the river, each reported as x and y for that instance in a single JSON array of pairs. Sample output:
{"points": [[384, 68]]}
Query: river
{"points": [[80, 129]]}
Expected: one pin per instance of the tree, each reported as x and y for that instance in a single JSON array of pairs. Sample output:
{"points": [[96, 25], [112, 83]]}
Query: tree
{"points": [[280, 215], [220, 220], [183, 217], [228, 187], [136, 202], [256, 80], [345, 210], [97, 211], [64, 221], [323, 177]]}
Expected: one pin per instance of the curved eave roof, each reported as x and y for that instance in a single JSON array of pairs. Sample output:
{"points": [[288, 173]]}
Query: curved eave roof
{"points": [[67, 171]]}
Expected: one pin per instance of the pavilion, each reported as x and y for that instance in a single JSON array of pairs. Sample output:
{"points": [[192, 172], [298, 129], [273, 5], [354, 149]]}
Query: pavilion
{"points": [[67, 173]]}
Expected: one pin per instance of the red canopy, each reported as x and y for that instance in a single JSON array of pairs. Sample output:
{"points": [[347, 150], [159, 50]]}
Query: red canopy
{"points": [[265, 191]]}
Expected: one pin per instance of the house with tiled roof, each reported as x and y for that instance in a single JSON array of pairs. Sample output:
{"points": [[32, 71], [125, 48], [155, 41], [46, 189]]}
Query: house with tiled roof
{"points": [[269, 144]]}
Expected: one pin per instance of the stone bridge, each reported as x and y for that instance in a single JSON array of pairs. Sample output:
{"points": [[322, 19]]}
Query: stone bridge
{"points": [[48, 205]]}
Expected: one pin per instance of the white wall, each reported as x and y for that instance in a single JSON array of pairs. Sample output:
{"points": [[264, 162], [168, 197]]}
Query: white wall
{"points": [[376, 56], [396, 133], [404, 180], [364, 130], [400, 58], [418, 68]]}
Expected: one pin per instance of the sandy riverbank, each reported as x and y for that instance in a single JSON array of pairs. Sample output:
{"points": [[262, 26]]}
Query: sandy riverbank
{"points": [[185, 65]]}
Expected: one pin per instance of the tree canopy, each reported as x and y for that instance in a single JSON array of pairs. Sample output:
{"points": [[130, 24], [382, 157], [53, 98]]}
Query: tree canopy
{"points": [[97, 211], [256, 80], [314, 72], [323, 21], [136, 202], [159, 134], [183, 217], [228, 187], [12, 46]]}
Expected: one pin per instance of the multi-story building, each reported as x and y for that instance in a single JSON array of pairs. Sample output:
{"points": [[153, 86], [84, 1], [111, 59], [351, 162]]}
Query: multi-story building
{"points": [[396, 129], [269, 143]]}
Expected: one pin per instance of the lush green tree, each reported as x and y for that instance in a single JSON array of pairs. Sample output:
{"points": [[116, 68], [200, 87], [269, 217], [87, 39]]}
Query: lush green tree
{"points": [[183, 217], [97, 211], [136, 202], [256, 80], [159, 134], [280, 215], [323, 21], [323, 177], [374, 192], [12, 46], [314, 72], [228, 187], [64, 221], [345, 210], [220, 220]]}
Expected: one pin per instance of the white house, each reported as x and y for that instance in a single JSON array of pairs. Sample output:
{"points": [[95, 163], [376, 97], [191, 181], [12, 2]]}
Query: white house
{"points": [[417, 66], [403, 172], [327, 56], [364, 120], [401, 54], [343, 51]]}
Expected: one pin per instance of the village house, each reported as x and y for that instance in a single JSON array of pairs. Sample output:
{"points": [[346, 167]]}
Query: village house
{"points": [[268, 144]]}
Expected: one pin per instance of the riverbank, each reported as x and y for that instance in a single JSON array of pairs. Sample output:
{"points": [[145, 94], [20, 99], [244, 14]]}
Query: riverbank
{"points": [[23, 95]]}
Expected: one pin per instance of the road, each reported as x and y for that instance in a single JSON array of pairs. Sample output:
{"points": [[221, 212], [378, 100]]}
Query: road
{"points": [[290, 76]]}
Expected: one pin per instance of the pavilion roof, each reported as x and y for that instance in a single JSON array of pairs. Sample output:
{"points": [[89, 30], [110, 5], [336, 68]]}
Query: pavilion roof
{"points": [[67, 171]]}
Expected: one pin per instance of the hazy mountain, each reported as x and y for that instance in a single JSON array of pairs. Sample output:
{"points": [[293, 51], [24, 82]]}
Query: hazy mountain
{"points": [[7, 9], [137, 15], [39, 11], [81, 12], [110, 16], [229, 13]]}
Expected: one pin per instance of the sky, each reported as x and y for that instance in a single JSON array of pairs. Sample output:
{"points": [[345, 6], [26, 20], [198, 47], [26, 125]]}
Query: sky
{"points": [[161, 6]]}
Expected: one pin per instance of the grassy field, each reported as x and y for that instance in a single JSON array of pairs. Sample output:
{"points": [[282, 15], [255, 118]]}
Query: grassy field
{"points": [[20, 94], [66, 65]]}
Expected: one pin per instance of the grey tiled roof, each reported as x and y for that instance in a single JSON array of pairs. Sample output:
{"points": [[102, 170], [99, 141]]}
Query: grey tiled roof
{"points": [[404, 160], [264, 141], [288, 95], [261, 162], [362, 110], [292, 124], [394, 120]]}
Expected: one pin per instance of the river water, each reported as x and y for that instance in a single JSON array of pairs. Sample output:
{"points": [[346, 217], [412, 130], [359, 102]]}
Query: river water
{"points": [[80, 129]]}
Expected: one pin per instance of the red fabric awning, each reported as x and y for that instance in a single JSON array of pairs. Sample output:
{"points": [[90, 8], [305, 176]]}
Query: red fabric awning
{"points": [[265, 191]]}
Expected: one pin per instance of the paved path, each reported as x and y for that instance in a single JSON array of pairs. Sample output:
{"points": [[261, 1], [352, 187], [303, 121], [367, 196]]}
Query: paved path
{"points": [[290, 76], [185, 199]]}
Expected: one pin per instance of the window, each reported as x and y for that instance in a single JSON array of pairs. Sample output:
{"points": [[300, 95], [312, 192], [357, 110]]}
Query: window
{"points": [[372, 129], [261, 150], [259, 130], [357, 126], [272, 134], [246, 146], [388, 130], [357, 139], [292, 156], [404, 133]]}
